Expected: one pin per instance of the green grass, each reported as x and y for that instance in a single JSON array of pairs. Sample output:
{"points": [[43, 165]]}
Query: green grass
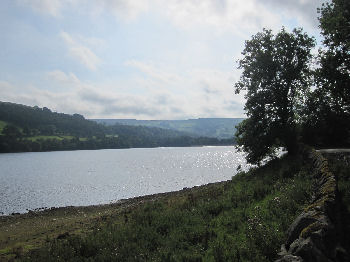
{"points": [[112, 136], [67, 137], [44, 137], [245, 219]]}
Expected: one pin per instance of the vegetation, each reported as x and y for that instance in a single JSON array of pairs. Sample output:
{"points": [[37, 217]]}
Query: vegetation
{"points": [[2, 125], [25, 128], [328, 110], [276, 74], [334, 75], [339, 164], [221, 128], [282, 108], [244, 219]]}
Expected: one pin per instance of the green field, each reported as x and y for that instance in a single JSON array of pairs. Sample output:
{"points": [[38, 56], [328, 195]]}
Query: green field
{"points": [[111, 135], [60, 137]]}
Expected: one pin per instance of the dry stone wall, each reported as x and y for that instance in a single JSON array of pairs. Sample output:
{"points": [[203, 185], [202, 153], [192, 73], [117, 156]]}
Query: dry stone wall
{"points": [[314, 235]]}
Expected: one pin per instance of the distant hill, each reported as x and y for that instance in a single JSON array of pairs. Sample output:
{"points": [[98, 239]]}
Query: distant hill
{"points": [[221, 128], [26, 128]]}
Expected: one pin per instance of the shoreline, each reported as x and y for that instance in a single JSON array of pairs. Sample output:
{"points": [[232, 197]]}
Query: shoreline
{"points": [[31, 230], [122, 148], [112, 203]]}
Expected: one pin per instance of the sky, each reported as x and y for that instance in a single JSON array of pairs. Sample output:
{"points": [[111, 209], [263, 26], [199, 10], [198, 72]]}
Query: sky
{"points": [[143, 59]]}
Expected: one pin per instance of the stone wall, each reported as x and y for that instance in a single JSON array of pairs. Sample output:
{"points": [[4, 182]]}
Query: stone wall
{"points": [[315, 233]]}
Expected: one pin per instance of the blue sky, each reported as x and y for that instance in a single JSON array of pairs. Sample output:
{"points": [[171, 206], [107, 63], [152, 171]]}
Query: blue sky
{"points": [[143, 59]]}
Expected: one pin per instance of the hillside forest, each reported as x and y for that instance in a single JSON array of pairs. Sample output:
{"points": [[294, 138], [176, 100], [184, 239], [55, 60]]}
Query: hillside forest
{"points": [[222, 128], [26, 129]]}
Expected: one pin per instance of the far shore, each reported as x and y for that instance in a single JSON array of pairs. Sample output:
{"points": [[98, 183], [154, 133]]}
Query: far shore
{"points": [[220, 145]]}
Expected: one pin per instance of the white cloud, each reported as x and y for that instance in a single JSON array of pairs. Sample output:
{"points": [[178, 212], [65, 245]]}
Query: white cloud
{"points": [[242, 17], [186, 82], [80, 52], [235, 16], [196, 93], [47, 7], [305, 11], [63, 78], [152, 71], [127, 10], [5, 86], [165, 94]]}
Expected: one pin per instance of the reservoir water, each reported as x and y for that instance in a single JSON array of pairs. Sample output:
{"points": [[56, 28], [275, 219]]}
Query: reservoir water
{"points": [[89, 177]]}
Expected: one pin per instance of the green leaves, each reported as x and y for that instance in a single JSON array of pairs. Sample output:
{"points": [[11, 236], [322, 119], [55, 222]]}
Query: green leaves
{"points": [[327, 115], [276, 77]]}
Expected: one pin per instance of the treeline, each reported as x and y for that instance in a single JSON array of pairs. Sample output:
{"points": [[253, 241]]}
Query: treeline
{"points": [[42, 121], [27, 129], [221, 128]]}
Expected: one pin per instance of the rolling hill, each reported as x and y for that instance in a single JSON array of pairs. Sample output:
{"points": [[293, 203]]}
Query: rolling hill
{"points": [[221, 128], [26, 128]]}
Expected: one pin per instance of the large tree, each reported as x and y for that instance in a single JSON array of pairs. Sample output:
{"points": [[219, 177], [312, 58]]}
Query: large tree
{"points": [[335, 58], [328, 121], [276, 77]]}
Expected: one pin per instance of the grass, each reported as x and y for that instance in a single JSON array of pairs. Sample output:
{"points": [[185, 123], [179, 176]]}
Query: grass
{"points": [[58, 137], [31, 230], [110, 136], [244, 219], [44, 137]]}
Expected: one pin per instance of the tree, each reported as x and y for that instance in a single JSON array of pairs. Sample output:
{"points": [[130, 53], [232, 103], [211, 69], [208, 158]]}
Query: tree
{"points": [[11, 132], [335, 60], [276, 76], [329, 105]]}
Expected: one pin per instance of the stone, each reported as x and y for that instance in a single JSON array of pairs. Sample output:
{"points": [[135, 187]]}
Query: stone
{"points": [[301, 222], [290, 258], [309, 252], [313, 234]]}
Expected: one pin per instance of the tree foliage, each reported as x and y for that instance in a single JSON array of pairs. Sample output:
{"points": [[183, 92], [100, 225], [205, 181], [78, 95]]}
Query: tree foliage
{"points": [[276, 77], [11, 132], [334, 74], [328, 110]]}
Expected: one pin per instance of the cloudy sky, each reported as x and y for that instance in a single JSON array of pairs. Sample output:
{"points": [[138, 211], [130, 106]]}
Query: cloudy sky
{"points": [[143, 59]]}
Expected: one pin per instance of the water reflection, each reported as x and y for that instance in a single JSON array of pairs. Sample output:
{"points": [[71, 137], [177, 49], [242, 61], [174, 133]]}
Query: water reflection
{"points": [[46, 179]]}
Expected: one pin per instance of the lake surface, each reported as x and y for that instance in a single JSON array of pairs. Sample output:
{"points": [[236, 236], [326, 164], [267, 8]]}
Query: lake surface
{"points": [[89, 177]]}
